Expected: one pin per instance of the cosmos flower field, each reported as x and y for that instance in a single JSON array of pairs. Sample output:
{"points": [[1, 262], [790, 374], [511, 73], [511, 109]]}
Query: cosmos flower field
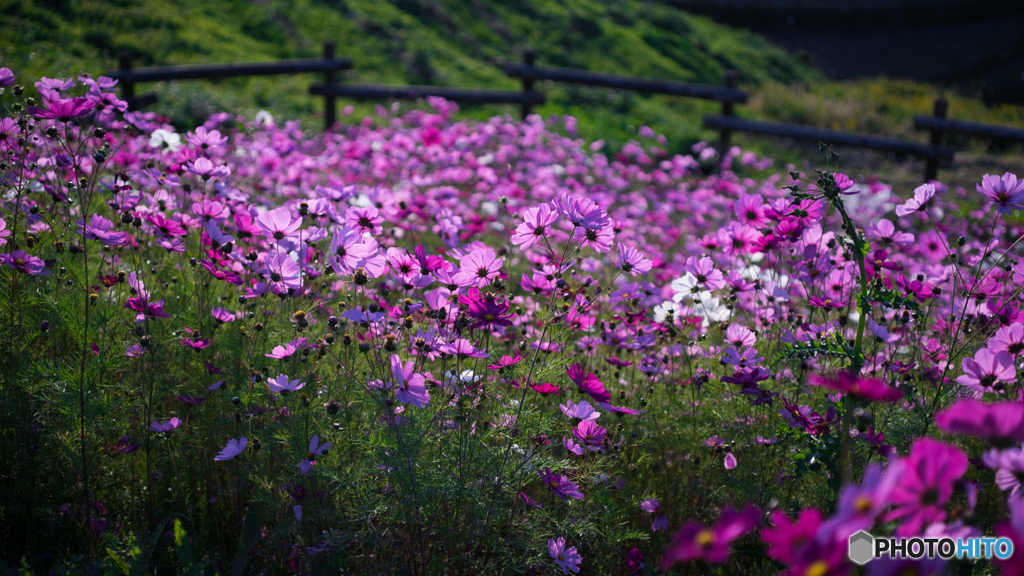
{"points": [[422, 345]]}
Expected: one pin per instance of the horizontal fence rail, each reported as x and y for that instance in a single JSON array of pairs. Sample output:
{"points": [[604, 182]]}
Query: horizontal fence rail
{"points": [[799, 132], [528, 72], [214, 71], [650, 85], [925, 122], [469, 95]]}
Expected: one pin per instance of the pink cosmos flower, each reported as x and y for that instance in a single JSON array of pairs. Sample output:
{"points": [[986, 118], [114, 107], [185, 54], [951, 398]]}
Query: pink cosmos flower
{"points": [[410, 386], [278, 223], [660, 519], [590, 433], [885, 231], [6, 77], [582, 410], [695, 542], [922, 196], [566, 559], [988, 371], [282, 352], [282, 385], [366, 219], [482, 264], [1009, 466], [315, 449], [506, 361], [222, 315], [4, 232], [600, 239], [632, 261], [98, 228], [205, 169], [560, 485], [25, 263], [363, 316], [749, 209], [926, 484], [573, 447], [462, 348], [196, 345], [1006, 193], [1002, 422], [204, 139], [234, 448], [1008, 339], [167, 427], [866, 388], [536, 225], [165, 226]]}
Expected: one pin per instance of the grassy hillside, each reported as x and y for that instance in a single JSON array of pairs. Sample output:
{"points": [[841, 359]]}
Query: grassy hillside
{"points": [[463, 43]]}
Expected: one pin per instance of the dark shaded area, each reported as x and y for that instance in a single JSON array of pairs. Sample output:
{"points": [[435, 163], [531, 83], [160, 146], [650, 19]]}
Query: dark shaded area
{"points": [[975, 47]]}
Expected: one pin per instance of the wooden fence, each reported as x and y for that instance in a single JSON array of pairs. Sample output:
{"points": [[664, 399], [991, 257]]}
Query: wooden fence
{"points": [[528, 72]]}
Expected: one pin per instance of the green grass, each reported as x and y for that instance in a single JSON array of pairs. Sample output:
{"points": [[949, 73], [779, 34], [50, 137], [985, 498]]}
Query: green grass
{"points": [[459, 43]]}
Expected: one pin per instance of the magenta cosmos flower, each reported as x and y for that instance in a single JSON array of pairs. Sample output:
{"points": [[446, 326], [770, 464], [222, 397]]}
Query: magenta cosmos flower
{"points": [[315, 449], [865, 388], [566, 559], [234, 448], [695, 542], [588, 383], [536, 225], [560, 485], [1002, 423], [63, 110], [926, 484], [1006, 193], [988, 371], [6, 77]]}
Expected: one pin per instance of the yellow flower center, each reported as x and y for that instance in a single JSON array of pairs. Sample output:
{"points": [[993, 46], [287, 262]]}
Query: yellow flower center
{"points": [[705, 538], [561, 557], [863, 504], [819, 568]]}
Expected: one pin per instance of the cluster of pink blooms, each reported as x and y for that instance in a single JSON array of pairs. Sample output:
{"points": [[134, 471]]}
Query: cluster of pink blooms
{"points": [[438, 247]]}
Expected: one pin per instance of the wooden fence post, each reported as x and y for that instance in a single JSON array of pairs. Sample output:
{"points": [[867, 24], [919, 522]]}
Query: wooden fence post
{"points": [[124, 64], [330, 102], [529, 57], [729, 80], [931, 170]]}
